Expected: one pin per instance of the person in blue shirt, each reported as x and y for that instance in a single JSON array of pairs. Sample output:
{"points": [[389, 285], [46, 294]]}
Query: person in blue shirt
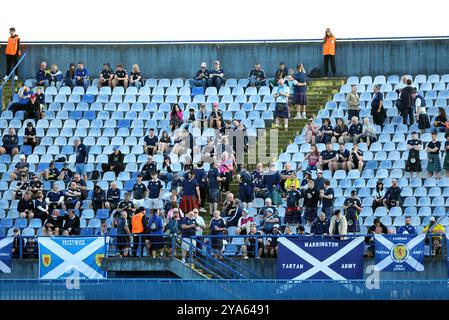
{"points": [[328, 158], [10, 143], [216, 76], [188, 230], [150, 143], [407, 228], [377, 109], [342, 157], [156, 228], [325, 132], [191, 198], [139, 191], [256, 77], [258, 182], [112, 197], [201, 179], [246, 187], [272, 180], [201, 77], [217, 228], [393, 195], [320, 226], [81, 158], [214, 179], [43, 75], [81, 76], [154, 191], [354, 131], [281, 94]]}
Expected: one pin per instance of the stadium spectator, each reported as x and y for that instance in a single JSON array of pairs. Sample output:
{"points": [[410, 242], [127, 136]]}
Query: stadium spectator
{"points": [[201, 179], [174, 223], [368, 132], [35, 185], [191, 197], [21, 167], [216, 76], [150, 144], [123, 234], [202, 117], [81, 158], [43, 75], [249, 248], [300, 91], [433, 155], [217, 229], [41, 207], [40, 97], [164, 143], [226, 168], [441, 124], [406, 103], [325, 133], [379, 195], [66, 174], [244, 223], [420, 110], [121, 78], [353, 207], [282, 72], [320, 226], [272, 180], [71, 224], [155, 191], [414, 147], [70, 75], [355, 131], [213, 178], [176, 117], [258, 181], [201, 77], [106, 76], [353, 101], [24, 94], [329, 52], [32, 108], [156, 229], [29, 136], [126, 205], [319, 180], [342, 157], [55, 198], [81, 185], [268, 205], [338, 226], [72, 197], [340, 132], [115, 162], [201, 224], [293, 180], [355, 158], [25, 206], [81, 77], [139, 225], [139, 191], [271, 244], [30, 249], [53, 225], [229, 205], [446, 152], [103, 231], [311, 131], [431, 229], [293, 212], [165, 173], [56, 77], [312, 158], [149, 167], [377, 106], [271, 218], [281, 94], [256, 77], [286, 173], [393, 195], [216, 117], [135, 79], [188, 230], [98, 198], [191, 117], [246, 187], [407, 228], [327, 197], [21, 187], [10, 143], [311, 198], [377, 228], [12, 53], [208, 152], [16, 244], [328, 158]]}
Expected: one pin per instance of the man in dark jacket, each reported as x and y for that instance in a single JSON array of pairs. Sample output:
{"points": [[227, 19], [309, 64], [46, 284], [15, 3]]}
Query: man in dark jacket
{"points": [[406, 105], [115, 162], [320, 226], [71, 224]]}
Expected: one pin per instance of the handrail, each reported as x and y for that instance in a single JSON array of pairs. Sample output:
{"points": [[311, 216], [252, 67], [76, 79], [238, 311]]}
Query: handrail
{"points": [[11, 74]]}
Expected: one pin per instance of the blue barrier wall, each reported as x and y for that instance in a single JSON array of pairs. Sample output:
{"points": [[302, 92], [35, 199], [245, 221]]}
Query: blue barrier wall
{"points": [[172, 60]]}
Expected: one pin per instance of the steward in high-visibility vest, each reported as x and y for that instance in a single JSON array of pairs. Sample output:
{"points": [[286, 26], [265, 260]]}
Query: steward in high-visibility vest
{"points": [[12, 52], [139, 224]]}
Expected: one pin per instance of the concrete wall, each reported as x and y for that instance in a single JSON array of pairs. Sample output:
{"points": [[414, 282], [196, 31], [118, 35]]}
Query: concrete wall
{"points": [[173, 60]]}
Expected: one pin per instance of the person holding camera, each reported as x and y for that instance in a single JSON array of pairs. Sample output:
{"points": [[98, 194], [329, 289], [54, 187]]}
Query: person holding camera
{"points": [[393, 196], [311, 131], [379, 195], [355, 160], [21, 187], [353, 207], [281, 94], [55, 198], [271, 243], [413, 163], [66, 174]]}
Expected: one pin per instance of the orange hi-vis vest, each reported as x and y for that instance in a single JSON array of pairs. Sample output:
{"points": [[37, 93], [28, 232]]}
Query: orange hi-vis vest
{"points": [[137, 225], [12, 48], [329, 46]]}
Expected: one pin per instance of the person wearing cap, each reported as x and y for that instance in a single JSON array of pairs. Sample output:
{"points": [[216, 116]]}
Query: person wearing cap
{"points": [[121, 78], [81, 157], [81, 77], [311, 198], [70, 75], [379, 195], [115, 162], [271, 243], [19, 168], [201, 77], [139, 227], [353, 207], [393, 195], [328, 158], [216, 76], [320, 225], [269, 221], [327, 199], [215, 117], [106, 76], [292, 197], [407, 228], [66, 173], [433, 227], [433, 156], [338, 226], [29, 136], [413, 163], [135, 77], [305, 179], [36, 185], [256, 77]]}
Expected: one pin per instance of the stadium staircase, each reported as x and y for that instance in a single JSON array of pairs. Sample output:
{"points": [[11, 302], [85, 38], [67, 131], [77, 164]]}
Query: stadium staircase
{"points": [[8, 93]]}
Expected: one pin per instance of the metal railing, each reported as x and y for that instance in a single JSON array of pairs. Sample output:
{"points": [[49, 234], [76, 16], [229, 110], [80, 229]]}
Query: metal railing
{"points": [[9, 76]]}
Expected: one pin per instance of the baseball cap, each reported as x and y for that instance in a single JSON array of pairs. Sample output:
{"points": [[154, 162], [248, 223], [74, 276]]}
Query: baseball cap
{"points": [[354, 191], [203, 65], [432, 219], [22, 156], [319, 171], [309, 172], [276, 226]]}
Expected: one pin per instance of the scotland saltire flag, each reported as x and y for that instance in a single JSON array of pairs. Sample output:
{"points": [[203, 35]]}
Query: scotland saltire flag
{"points": [[399, 252], [61, 257], [310, 258], [5, 254]]}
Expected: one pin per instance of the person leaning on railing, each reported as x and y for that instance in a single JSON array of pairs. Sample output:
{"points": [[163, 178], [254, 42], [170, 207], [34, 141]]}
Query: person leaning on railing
{"points": [[433, 227]]}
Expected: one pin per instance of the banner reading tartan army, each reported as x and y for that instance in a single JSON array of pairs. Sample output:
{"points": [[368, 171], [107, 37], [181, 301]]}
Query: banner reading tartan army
{"points": [[399, 252], [60, 257], [309, 258], [5, 254]]}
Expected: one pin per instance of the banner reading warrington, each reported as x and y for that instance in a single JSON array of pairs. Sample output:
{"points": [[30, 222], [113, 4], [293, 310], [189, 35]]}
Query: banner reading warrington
{"points": [[60, 257]]}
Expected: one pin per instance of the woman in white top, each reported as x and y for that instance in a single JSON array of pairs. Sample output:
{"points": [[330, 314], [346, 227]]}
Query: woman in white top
{"points": [[421, 113], [368, 132]]}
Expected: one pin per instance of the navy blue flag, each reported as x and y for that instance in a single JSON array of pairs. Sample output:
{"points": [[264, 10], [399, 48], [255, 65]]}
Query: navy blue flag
{"points": [[399, 252], [5, 254], [313, 258]]}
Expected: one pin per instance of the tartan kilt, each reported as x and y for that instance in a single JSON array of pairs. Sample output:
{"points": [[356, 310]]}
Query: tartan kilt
{"points": [[188, 203], [434, 163], [292, 216], [446, 161]]}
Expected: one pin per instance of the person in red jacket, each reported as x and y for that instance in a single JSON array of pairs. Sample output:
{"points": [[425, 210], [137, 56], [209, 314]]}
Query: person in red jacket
{"points": [[329, 52], [12, 53]]}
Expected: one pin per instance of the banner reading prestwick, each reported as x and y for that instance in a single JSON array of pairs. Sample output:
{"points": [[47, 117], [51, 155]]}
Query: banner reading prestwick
{"points": [[399, 252], [320, 258], [60, 257]]}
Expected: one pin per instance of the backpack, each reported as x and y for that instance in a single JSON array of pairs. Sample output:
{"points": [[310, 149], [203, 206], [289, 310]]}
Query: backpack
{"points": [[314, 73]]}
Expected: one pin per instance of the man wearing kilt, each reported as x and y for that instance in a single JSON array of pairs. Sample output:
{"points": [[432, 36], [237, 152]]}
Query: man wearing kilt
{"points": [[293, 213], [433, 156], [190, 193]]}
